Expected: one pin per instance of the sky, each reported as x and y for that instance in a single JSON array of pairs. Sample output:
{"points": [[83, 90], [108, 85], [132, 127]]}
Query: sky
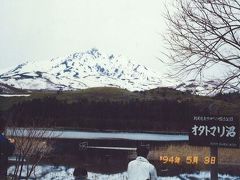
{"points": [[45, 29]]}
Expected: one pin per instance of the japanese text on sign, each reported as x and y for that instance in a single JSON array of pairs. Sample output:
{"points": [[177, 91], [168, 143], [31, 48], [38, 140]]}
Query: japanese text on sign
{"points": [[220, 131], [214, 131]]}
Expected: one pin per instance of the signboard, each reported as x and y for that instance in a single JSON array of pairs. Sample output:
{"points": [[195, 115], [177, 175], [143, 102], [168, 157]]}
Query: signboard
{"points": [[214, 131]]}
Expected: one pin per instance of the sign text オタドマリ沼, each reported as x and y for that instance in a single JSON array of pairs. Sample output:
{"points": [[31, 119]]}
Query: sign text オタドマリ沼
{"points": [[214, 131]]}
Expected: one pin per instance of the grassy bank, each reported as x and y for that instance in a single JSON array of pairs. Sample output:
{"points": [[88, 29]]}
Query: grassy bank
{"points": [[228, 158]]}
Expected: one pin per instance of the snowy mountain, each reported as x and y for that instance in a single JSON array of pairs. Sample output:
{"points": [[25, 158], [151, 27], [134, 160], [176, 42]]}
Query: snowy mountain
{"points": [[80, 71], [205, 87]]}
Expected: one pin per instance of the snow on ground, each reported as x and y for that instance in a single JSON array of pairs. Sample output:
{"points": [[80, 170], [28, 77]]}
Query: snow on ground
{"points": [[47, 172], [14, 95], [104, 135]]}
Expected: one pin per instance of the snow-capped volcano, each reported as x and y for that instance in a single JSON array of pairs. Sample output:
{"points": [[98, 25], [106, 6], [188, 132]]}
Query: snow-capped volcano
{"points": [[80, 71]]}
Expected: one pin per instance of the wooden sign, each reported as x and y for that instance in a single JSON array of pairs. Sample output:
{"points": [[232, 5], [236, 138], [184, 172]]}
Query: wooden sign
{"points": [[214, 131]]}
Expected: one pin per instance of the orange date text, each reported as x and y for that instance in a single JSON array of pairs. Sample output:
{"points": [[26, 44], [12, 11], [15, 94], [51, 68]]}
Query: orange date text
{"points": [[192, 160]]}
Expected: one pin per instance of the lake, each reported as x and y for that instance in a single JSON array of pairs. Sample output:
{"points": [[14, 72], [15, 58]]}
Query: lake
{"points": [[105, 155]]}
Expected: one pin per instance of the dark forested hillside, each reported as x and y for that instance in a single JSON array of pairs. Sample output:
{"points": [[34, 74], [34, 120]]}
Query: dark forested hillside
{"points": [[6, 89], [159, 109]]}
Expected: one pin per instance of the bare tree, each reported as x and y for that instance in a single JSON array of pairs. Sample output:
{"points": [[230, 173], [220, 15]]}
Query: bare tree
{"points": [[204, 34], [32, 145]]}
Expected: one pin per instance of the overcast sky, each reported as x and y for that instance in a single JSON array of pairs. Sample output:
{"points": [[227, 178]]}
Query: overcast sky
{"points": [[45, 29]]}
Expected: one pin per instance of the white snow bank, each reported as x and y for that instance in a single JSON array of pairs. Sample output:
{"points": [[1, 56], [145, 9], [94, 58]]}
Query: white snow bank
{"points": [[103, 135], [14, 95], [47, 172]]}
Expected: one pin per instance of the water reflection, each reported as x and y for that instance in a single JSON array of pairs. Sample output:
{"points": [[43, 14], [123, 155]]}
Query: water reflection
{"points": [[105, 163], [105, 157], [112, 156], [93, 160]]}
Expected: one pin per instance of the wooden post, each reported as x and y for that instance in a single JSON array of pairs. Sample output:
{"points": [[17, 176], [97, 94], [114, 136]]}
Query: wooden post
{"points": [[214, 167]]}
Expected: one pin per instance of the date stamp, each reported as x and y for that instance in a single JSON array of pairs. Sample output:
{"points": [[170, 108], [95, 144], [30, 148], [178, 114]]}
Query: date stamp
{"points": [[191, 160]]}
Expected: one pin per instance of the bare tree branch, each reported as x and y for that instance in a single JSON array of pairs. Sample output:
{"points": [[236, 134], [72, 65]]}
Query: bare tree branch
{"points": [[202, 34]]}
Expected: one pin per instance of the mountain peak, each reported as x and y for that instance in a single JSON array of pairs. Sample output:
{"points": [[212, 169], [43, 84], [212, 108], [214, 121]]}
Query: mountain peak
{"points": [[82, 70], [94, 52]]}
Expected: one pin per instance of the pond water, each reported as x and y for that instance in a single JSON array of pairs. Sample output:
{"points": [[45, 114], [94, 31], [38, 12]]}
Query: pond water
{"points": [[103, 164], [106, 156]]}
